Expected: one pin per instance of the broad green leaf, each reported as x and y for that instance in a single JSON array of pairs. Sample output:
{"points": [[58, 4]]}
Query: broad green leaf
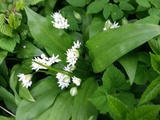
{"points": [[151, 92], [49, 5], [28, 110], [106, 47], [155, 61], [82, 108], [28, 50], [79, 3], [126, 6], [149, 20], [118, 110], [96, 27], [147, 112], [3, 55], [6, 118], [129, 62], [96, 6], [8, 43], [155, 46], [62, 108], [47, 36]]}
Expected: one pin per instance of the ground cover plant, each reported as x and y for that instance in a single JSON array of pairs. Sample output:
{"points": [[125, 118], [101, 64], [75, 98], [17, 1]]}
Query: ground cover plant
{"points": [[79, 60]]}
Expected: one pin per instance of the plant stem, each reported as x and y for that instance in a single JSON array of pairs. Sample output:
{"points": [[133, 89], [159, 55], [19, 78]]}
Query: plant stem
{"points": [[7, 111]]}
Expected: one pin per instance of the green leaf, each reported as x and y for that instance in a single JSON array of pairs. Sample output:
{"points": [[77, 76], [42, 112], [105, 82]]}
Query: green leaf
{"points": [[154, 12], [8, 99], [103, 48], [107, 10], [6, 118], [125, 6], [3, 6], [99, 100], [129, 62], [82, 108], [114, 79], [25, 93], [33, 2], [144, 3], [62, 108], [144, 73], [3, 55], [155, 46], [96, 6], [96, 27], [118, 110], [79, 3], [14, 20], [116, 12], [4, 27], [44, 99], [28, 50], [147, 112], [151, 92], [155, 61], [8, 43], [46, 35]]}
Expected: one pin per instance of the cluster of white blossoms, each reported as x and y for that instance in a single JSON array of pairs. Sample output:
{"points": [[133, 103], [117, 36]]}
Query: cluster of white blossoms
{"points": [[109, 25], [72, 57], [59, 21], [44, 60], [26, 79], [64, 79]]}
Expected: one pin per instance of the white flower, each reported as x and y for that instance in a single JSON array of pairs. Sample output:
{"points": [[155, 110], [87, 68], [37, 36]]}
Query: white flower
{"points": [[44, 60], [114, 25], [63, 80], [109, 25], [76, 81], [26, 79], [73, 91], [72, 56], [76, 45], [54, 59], [69, 68], [59, 21]]}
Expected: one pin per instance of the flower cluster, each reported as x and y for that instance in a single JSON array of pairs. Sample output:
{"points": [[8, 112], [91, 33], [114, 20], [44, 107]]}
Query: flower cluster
{"points": [[71, 59], [44, 60], [59, 21], [109, 25]]}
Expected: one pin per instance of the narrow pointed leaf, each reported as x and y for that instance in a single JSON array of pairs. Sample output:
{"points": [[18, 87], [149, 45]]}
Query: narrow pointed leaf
{"points": [[129, 62], [53, 40], [108, 46], [151, 92]]}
